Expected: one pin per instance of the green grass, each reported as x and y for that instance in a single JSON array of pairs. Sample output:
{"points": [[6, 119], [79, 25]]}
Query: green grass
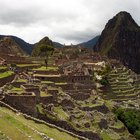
{"points": [[43, 68], [61, 83], [18, 128], [47, 82], [27, 65], [44, 94], [42, 75], [105, 136], [40, 108], [118, 125], [90, 104], [3, 136], [60, 113], [16, 89], [3, 68], [20, 80], [6, 74]]}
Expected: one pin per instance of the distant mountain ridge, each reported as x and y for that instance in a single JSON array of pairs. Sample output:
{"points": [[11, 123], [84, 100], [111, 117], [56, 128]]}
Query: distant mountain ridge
{"points": [[9, 46], [57, 45], [91, 43], [23, 47], [120, 40], [88, 44], [26, 47]]}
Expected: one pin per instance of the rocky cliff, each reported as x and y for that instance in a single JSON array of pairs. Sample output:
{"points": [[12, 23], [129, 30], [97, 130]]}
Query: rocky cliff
{"points": [[121, 40]]}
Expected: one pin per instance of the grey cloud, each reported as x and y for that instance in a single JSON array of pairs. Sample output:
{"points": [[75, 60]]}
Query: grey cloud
{"points": [[79, 36], [62, 20], [32, 12]]}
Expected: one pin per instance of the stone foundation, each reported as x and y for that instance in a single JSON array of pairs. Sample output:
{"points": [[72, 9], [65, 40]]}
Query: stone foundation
{"points": [[26, 103]]}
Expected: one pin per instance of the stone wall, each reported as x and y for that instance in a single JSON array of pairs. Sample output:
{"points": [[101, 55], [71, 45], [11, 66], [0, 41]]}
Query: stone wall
{"points": [[3, 70], [14, 59], [32, 88], [100, 108], [80, 96], [27, 67], [5, 80], [85, 86], [53, 92], [67, 86], [47, 100], [25, 103], [17, 84], [46, 72], [53, 78], [78, 79]]}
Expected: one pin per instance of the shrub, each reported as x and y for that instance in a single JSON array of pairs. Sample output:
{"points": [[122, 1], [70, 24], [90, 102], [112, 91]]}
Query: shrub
{"points": [[131, 119]]}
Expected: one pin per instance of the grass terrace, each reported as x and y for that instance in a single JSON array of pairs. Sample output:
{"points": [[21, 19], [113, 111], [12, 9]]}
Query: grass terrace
{"points": [[21, 80], [21, 93], [43, 68], [40, 75], [61, 114], [105, 136], [26, 65], [44, 94], [3, 68], [5, 74], [62, 83], [118, 125], [47, 82], [16, 89]]}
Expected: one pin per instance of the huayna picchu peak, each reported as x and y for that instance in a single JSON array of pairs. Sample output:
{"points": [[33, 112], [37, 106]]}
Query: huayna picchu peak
{"points": [[121, 40]]}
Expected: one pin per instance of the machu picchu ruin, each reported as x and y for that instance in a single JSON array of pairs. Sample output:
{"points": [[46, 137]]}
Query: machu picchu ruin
{"points": [[68, 90], [88, 91]]}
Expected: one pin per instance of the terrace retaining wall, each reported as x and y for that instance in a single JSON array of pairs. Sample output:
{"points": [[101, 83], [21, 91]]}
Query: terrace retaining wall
{"points": [[25, 103], [47, 100], [6, 80], [51, 72], [17, 84]]}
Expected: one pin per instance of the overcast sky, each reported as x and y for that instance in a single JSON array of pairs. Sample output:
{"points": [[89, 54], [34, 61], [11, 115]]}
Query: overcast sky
{"points": [[65, 21]]}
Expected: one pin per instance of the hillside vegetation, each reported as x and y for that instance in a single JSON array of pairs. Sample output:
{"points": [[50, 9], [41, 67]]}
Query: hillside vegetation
{"points": [[43, 48]]}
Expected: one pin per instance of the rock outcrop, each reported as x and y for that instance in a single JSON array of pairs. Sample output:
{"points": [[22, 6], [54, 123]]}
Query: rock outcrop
{"points": [[121, 40]]}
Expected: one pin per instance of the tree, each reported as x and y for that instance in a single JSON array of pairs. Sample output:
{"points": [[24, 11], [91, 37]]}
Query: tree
{"points": [[131, 119], [44, 48], [137, 135]]}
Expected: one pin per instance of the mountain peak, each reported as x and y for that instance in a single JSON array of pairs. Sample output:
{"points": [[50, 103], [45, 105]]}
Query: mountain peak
{"points": [[121, 20], [44, 44], [45, 40], [121, 40], [124, 14]]}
